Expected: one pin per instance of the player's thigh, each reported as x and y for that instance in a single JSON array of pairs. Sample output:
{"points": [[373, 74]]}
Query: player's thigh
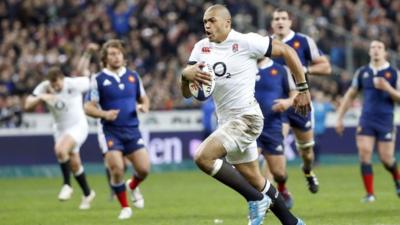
{"points": [[140, 161], [115, 161], [65, 143], [75, 161], [386, 151], [303, 136], [285, 129], [365, 145], [276, 164], [210, 149]]}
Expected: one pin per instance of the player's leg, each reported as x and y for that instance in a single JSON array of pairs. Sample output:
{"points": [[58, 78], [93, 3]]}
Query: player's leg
{"points": [[115, 161], [80, 176], [104, 148], [386, 154], [208, 159], [271, 144], [62, 149], [365, 145], [141, 164], [277, 166], [305, 144], [251, 172]]}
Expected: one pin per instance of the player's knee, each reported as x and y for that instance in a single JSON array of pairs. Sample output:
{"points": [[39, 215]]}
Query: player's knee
{"points": [[305, 146], [143, 172], [61, 155], [280, 177], [75, 166], [116, 170], [203, 162]]}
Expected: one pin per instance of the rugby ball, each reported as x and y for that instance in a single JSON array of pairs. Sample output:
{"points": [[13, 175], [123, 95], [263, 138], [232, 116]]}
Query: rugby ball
{"points": [[204, 91]]}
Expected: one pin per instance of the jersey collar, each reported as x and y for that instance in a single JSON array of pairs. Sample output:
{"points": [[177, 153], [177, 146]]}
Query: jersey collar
{"points": [[118, 75], [266, 63], [376, 69], [289, 36]]}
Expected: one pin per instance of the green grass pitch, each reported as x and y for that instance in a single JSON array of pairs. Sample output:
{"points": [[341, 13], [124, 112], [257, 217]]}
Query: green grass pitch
{"points": [[192, 198]]}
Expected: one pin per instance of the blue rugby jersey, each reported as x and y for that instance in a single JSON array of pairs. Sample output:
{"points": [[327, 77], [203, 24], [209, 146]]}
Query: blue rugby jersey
{"points": [[118, 91], [272, 82], [377, 104], [305, 47]]}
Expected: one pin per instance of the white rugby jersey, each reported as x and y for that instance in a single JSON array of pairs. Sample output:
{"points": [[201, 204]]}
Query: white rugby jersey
{"points": [[67, 108], [235, 66]]}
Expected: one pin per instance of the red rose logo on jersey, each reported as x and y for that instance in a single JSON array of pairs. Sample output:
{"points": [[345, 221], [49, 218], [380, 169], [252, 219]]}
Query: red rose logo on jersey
{"points": [[388, 75], [205, 50], [296, 45], [131, 79], [235, 47], [274, 72]]}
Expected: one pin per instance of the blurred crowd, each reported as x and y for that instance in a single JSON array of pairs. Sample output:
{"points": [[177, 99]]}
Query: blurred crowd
{"points": [[159, 36]]}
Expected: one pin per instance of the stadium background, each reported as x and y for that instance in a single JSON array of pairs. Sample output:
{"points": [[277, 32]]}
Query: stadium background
{"points": [[158, 36]]}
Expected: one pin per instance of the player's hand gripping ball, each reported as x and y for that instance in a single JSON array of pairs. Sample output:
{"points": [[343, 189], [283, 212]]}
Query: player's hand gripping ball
{"points": [[205, 90]]}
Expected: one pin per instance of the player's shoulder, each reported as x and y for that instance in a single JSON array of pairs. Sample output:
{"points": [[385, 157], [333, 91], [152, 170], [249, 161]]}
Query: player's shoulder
{"points": [[202, 43], [44, 83], [299, 35]]}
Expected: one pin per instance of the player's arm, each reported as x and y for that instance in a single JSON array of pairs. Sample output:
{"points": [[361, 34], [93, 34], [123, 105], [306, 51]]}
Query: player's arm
{"points": [[193, 73], [31, 102], [382, 84], [38, 96], [92, 110], [320, 66], [144, 104], [302, 100], [84, 61], [283, 104], [289, 87], [344, 106], [184, 84]]}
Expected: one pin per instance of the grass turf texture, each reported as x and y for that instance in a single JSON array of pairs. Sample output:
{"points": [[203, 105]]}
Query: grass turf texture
{"points": [[192, 198]]}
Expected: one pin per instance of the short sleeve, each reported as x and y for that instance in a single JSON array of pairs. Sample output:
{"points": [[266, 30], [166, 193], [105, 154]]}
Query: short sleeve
{"points": [[93, 94], [81, 83], [41, 88], [397, 79], [313, 51], [356, 83], [140, 91], [195, 54], [259, 46]]}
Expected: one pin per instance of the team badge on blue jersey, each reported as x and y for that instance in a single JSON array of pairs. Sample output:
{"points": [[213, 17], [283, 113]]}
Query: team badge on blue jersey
{"points": [[296, 44], [131, 79]]}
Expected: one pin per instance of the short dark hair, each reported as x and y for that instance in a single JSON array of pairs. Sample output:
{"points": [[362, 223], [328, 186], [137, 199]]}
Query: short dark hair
{"points": [[114, 43], [278, 10], [54, 73]]}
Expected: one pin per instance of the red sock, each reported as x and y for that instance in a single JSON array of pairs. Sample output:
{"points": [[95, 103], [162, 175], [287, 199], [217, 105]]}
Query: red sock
{"points": [[282, 187], [369, 183], [396, 174], [123, 200], [135, 182]]}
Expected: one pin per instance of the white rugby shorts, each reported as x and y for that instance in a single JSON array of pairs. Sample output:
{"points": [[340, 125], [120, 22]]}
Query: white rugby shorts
{"points": [[78, 132], [238, 135]]}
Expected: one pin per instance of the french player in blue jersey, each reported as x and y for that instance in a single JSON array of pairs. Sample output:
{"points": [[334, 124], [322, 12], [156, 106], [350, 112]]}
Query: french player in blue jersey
{"points": [[273, 86], [313, 63], [116, 96], [379, 83]]}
